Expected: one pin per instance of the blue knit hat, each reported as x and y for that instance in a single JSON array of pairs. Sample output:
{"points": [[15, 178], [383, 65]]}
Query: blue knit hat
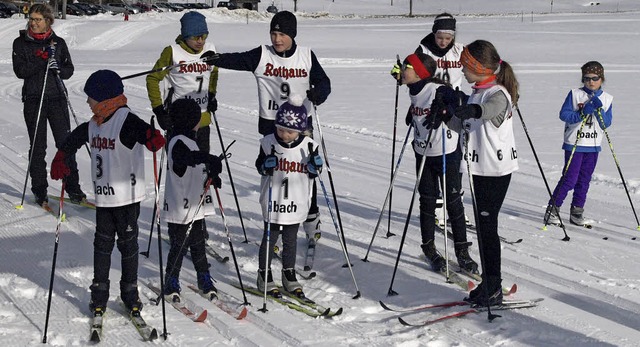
{"points": [[292, 115], [103, 85], [193, 24]]}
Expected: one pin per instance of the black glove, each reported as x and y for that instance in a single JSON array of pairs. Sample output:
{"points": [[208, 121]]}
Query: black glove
{"points": [[209, 57], [440, 112], [212, 104], [468, 111], [408, 119], [312, 95], [214, 168], [163, 118], [447, 94], [268, 165]]}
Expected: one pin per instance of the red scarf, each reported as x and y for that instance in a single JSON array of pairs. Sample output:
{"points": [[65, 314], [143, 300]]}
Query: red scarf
{"points": [[106, 108], [40, 37]]}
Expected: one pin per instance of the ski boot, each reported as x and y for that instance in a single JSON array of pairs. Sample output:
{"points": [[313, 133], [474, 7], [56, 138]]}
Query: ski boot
{"points": [[205, 284], [434, 258], [489, 296], [130, 298], [99, 296], [172, 289], [77, 196], [272, 289], [576, 217], [290, 283], [551, 215], [464, 259]]}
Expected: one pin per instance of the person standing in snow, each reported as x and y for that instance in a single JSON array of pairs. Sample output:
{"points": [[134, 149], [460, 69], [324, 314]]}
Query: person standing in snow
{"points": [[586, 111], [188, 169], [288, 162], [193, 80], [40, 58], [282, 70], [116, 137], [430, 118], [441, 45], [489, 152]]}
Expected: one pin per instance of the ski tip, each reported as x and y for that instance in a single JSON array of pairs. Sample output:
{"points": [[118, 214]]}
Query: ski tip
{"points": [[202, 317], [19, 207], [95, 337], [153, 335], [633, 238], [470, 285], [544, 228], [513, 289], [63, 217], [403, 322], [325, 312], [243, 313]]}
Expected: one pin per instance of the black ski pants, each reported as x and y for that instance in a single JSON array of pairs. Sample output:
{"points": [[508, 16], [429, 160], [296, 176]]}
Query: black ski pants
{"points": [[179, 246], [289, 244]]}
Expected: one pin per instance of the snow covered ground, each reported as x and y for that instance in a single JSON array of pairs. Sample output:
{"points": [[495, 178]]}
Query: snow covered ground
{"points": [[590, 286]]}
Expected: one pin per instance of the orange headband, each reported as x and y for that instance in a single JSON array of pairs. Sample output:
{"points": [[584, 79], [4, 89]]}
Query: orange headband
{"points": [[418, 66], [469, 62]]}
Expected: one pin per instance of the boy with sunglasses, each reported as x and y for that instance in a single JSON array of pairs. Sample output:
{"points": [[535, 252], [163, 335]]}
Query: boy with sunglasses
{"points": [[586, 112], [193, 80]]}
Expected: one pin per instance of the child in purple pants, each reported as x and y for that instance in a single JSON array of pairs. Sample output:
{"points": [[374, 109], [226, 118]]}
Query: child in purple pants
{"points": [[586, 111]]}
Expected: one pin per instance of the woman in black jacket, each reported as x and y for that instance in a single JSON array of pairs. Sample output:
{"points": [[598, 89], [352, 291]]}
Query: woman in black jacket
{"points": [[38, 53]]}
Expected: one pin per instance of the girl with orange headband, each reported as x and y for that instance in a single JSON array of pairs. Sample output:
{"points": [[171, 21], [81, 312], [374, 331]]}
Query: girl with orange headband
{"points": [[489, 152], [418, 74]]}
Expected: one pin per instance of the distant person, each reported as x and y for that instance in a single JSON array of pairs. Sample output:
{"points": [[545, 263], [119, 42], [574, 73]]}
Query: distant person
{"points": [[193, 80], [40, 58], [282, 70], [430, 120], [117, 138], [288, 162], [126, 15], [188, 168], [586, 112], [25, 10], [489, 151]]}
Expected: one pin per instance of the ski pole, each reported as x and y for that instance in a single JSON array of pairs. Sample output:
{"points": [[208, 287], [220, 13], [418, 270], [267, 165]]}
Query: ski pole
{"points": [[393, 149], [615, 159], [544, 178], [35, 135], [159, 69], [444, 198], [335, 224], [53, 262], [233, 254], [156, 212], [233, 187], [333, 189], [387, 197], [66, 96], [268, 247], [406, 223]]}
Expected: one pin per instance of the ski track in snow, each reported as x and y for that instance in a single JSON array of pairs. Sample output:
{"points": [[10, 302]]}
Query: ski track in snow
{"points": [[590, 286]]}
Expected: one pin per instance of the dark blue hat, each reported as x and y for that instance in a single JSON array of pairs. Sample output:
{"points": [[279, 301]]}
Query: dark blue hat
{"points": [[185, 115], [286, 23], [103, 85], [292, 115], [193, 24]]}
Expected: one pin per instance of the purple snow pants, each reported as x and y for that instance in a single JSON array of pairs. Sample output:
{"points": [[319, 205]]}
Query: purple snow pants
{"points": [[577, 177]]}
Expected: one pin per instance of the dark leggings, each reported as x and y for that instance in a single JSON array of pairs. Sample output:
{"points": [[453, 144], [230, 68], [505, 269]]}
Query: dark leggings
{"points": [[289, 244], [489, 196], [194, 243]]}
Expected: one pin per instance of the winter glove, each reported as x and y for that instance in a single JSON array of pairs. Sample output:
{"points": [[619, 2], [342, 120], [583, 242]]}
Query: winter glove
{"points": [[212, 104], [163, 118], [591, 106], [448, 95], [155, 140], [440, 112], [209, 57], [268, 165], [468, 111], [53, 65], [314, 165], [396, 72], [408, 119], [59, 168], [312, 95], [214, 168]]}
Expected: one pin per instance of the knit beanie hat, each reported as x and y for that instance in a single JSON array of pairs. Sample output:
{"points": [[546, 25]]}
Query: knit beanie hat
{"points": [[103, 85], [285, 22], [185, 115], [444, 23], [593, 67], [193, 24], [292, 115]]}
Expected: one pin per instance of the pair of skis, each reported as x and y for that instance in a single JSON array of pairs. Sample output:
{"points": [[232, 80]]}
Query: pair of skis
{"points": [[506, 305], [147, 332], [303, 305]]}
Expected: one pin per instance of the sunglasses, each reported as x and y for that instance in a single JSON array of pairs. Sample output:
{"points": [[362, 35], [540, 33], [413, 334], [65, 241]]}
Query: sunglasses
{"points": [[586, 79], [406, 66], [199, 37]]}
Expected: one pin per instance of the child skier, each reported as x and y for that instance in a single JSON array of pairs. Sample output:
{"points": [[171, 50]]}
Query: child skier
{"points": [[115, 136], [430, 118], [288, 162], [586, 112], [490, 152], [187, 169]]}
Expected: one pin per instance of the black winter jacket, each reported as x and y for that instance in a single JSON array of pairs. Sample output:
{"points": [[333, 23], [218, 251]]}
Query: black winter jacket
{"points": [[30, 64]]}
